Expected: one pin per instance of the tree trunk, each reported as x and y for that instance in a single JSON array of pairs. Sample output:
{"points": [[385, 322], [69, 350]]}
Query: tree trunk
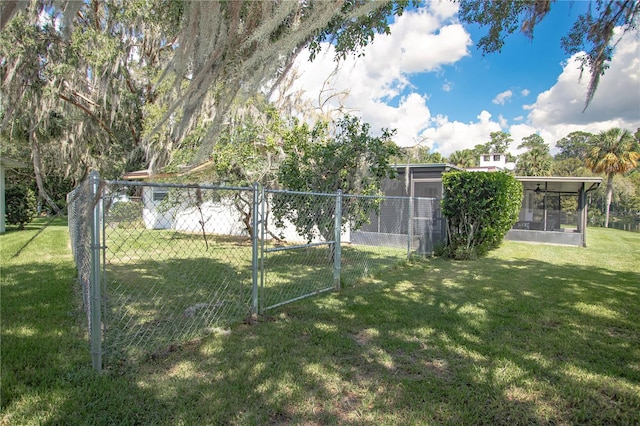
{"points": [[37, 169], [329, 234], [609, 197]]}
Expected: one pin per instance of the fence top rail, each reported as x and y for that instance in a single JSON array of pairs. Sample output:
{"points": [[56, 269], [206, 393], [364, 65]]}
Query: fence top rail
{"points": [[299, 246], [247, 188], [333, 194], [389, 197], [177, 185], [81, 190], [287, 191]]}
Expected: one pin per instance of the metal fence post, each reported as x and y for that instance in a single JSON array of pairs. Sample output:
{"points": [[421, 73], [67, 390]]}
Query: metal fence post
{"points": [[337, 252], [410, 229], [95, 296], [256, 222]]}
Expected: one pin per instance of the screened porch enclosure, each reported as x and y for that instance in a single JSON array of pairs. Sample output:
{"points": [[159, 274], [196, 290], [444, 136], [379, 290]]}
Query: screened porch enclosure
{"points": [[554, 210], [414, 222]]}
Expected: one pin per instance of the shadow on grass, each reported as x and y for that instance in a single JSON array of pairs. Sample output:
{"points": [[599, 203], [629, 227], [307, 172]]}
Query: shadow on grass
{"points": [[45, 360], [295, 273], [485, 342], [46, 367], [40, 227], [496, 342], [164, 287], [37, 224], [153, 305], [38, 324]]}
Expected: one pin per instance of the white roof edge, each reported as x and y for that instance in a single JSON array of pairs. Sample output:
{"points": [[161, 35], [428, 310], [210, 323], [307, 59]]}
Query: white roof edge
{"points": [[593, 179]]}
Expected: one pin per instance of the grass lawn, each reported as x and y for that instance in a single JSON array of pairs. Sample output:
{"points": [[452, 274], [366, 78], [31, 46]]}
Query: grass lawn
{"points": [[167, 286], [532, 334]]}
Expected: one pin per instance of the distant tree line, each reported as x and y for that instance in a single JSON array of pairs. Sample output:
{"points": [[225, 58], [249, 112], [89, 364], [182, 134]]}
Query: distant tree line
{"points": [[613, 154]]}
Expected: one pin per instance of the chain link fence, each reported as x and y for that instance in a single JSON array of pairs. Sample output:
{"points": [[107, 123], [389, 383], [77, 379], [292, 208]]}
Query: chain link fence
{"points": [[298, 246], [168, 263], [80, 217], [178, 263], [83, 210], [396, 228]]}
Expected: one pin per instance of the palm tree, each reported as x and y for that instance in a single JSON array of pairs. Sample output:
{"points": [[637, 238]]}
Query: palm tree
{"points": [[613, 151], [464, 158], [537, 160]]}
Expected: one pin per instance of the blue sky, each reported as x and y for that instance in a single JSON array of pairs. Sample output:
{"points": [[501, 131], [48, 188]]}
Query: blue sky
{"points": [[428, 80], [525, 67]]}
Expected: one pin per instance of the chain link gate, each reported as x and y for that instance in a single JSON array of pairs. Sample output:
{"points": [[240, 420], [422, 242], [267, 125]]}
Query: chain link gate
{"points": [[178, 263], [293, 237]]}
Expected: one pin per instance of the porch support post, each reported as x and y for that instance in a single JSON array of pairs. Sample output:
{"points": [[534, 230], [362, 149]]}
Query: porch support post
{"points": [[410, 229], [582, 217], [544, 206]]}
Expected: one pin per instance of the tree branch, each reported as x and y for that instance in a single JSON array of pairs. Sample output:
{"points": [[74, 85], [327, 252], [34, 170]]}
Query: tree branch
{"points": [[87, 111]]}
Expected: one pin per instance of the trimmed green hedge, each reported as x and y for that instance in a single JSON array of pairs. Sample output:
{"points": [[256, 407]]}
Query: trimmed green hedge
{"points": [[480, 208]]}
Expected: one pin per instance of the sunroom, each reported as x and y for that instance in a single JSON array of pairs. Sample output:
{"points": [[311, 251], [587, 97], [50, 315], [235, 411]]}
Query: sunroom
{"points": [[554, 210]]}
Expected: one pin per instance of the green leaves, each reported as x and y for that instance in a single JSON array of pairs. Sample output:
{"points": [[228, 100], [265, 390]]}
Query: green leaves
{"points": [[480, 208], [593, 31], [319, 160], [537, 160], [349, 159], [613, 151], [503, 18], [20, 205], [351, 30]]}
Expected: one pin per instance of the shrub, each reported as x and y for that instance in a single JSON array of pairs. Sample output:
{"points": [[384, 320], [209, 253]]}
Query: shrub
{"points": [[480, 208], [20, 205]]}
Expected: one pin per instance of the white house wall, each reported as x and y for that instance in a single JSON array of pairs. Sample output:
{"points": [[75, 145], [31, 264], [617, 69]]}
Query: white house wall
{"points": [[219, 217], [155, 215]]}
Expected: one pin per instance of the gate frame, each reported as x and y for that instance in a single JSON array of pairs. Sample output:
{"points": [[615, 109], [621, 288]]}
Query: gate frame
{"points": [[337, 260]]}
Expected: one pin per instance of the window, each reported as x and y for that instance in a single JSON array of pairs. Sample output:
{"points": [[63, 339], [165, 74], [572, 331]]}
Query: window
{"points": [[496, 157], [159, 194], [487, 158], [427, 188]]}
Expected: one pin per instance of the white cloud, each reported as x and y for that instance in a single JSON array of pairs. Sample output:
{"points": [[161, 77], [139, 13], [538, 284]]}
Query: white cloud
{"points": [[616, 103], [380, 90], [558, 111], [409, 118], [452, 136], [503, 97], [522, 130], [378, 83]]}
